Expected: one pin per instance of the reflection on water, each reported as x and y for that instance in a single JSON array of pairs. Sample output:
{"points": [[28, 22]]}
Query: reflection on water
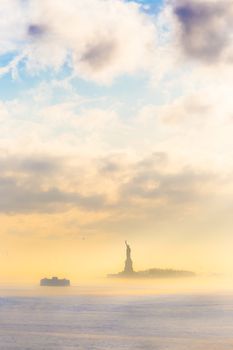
{"points": [[117, 316], [171, 322]]}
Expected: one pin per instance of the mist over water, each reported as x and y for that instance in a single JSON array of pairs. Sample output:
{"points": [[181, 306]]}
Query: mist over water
{"points": [[172, 322], [117, 315], [125, 287], [116, 160]]}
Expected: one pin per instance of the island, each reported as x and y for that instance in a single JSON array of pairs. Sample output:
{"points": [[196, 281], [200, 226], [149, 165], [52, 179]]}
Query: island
{"points": [[54, 282], [129, 272]]}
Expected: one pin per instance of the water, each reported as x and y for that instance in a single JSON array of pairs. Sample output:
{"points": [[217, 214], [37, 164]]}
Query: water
{"points": [[152, 322]]}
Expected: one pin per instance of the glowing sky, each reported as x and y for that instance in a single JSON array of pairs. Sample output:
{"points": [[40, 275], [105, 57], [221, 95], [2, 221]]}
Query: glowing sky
{"points": [[116, 123]]}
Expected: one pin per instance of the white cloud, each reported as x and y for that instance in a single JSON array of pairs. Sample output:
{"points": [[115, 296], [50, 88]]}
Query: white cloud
{"points": [[100, 39], [12, 25], [194, 128], [4, 114]]}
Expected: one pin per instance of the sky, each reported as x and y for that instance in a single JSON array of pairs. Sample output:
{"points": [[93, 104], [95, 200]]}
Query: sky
{"points": [[116, 123]]}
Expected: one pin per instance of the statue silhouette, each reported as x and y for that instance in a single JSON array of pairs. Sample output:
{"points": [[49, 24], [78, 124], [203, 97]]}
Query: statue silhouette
{"points": [[128, 270], [128, 251]]}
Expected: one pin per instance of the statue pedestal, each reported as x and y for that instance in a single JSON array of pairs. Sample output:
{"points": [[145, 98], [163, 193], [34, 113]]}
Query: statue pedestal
{"points": [[128, 266]]}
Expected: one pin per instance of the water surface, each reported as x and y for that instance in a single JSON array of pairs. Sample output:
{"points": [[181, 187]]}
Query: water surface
{"points": [[117, 322]]}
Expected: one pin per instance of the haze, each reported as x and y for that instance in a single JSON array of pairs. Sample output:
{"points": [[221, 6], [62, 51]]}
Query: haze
{"points": [[116, 123]]}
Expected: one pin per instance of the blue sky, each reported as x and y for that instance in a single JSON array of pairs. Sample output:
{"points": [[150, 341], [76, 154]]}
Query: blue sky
{"points": [[11, 86]]}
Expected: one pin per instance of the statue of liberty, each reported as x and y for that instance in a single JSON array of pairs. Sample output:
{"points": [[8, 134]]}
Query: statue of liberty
{"points": [[128, 251], [128, 262]]}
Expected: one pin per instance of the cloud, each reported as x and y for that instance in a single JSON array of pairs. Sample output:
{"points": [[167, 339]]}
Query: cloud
{"points": [[187, 109], [35, 30], [32, 184], [182, 187], [205, 28], [12, 25], [193, 126], [100, 39], [17, 198], [29, 185], [4, 114], [31, 165], [36, 184], [96, 56]]}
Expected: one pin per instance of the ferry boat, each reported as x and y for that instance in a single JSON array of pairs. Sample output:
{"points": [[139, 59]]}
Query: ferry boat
{"points": [[54, 282]]}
